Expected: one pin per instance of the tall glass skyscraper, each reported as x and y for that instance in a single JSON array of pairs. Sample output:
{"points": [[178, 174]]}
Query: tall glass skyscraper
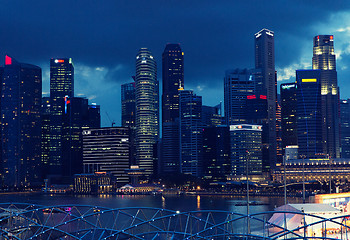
{"points": [[173, 80], [191, 133], [20, 124], [128, 100], [309, 105], [147, 109], [238, 84], [265, 85], [289, 115], [324, 60], [61, 85]]}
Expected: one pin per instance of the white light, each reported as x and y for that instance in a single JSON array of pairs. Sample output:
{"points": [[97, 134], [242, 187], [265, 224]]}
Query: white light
{"points": [[56, 60]]}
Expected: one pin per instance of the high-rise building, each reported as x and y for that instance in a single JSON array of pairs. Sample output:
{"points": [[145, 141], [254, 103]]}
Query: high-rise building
{"points": [[173, 80], [345, 128], [45, 135], [216, 153], [191, 133], [257, 114], [324, 60], [245, 154], [20, 124], [211, 116], [265, 85], [128, 99], [238, 84], [61, 85], [94, 116], [107, 150], [309, 113], [147, 109], [289, 115], [75, 119]]}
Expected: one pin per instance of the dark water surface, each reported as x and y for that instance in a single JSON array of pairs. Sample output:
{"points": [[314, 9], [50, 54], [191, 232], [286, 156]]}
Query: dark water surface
{"points": [[178, 203]]}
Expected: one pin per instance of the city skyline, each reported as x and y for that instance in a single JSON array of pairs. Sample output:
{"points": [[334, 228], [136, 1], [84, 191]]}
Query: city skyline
{"points": [[104, 60]]}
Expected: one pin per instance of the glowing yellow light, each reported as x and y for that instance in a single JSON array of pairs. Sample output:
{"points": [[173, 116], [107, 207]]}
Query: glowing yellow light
{"points": [[309, 80]]}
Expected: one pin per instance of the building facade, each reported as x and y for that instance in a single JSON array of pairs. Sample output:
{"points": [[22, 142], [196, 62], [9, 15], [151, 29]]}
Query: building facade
{"points": [[345, 128], [266, 84], [289, 115], [324, 60], [238, 84], [216, 154], [309, 112], [245, 153], [107, 150], [173, 80], [20, 124], [61, 85], [191, 133], [147, 109]]}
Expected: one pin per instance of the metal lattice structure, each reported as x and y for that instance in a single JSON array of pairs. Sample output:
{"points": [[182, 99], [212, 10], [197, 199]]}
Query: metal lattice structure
{"points": [[30, 221]]}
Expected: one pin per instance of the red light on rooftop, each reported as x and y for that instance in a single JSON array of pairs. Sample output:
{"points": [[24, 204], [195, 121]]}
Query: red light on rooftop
{"points": [[263, 97], [318, 37], [331, 37], [251, 97], [8, 60], [60, 61]]}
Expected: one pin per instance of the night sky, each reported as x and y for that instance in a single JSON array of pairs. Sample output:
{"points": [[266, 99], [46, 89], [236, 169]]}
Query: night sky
{"points": [[103, 38]]}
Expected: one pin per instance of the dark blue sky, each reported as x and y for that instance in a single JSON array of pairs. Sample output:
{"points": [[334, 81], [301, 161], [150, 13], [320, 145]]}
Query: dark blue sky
{"points": [[103, 38]]}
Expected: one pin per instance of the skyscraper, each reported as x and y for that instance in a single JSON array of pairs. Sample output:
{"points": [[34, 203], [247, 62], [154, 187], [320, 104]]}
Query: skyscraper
{"points": [[128, 101], [345, 127], [191, 133], [216, 153], [107, 150], [324, 60], [45, 135], [147, 109], [309, 106], [61, 85], [173, 80], [238, 84], [21, 125], [265, 85], [289, 115], [245, 141]]}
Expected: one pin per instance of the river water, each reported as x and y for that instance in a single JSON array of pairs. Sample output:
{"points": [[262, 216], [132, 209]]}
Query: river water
{"points": [[178, 203]]}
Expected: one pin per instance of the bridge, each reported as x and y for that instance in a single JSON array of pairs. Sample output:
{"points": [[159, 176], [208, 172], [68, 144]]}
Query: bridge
{"points": [[31, 221]]}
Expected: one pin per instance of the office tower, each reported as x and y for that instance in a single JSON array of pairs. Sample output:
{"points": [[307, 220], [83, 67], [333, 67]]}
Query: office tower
{"points": [[94, 116], [345, 128], [245, 141], [265, 85], [211, 116], [216, 154], [173, 80], [61, 85], [107, 150], [45, 135], [147, 109], [309, 112], [20, 124], [289, 115], [128, 99], [324, 60], [75, 119], [238, 84], [257, 114], [191, 133]]}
